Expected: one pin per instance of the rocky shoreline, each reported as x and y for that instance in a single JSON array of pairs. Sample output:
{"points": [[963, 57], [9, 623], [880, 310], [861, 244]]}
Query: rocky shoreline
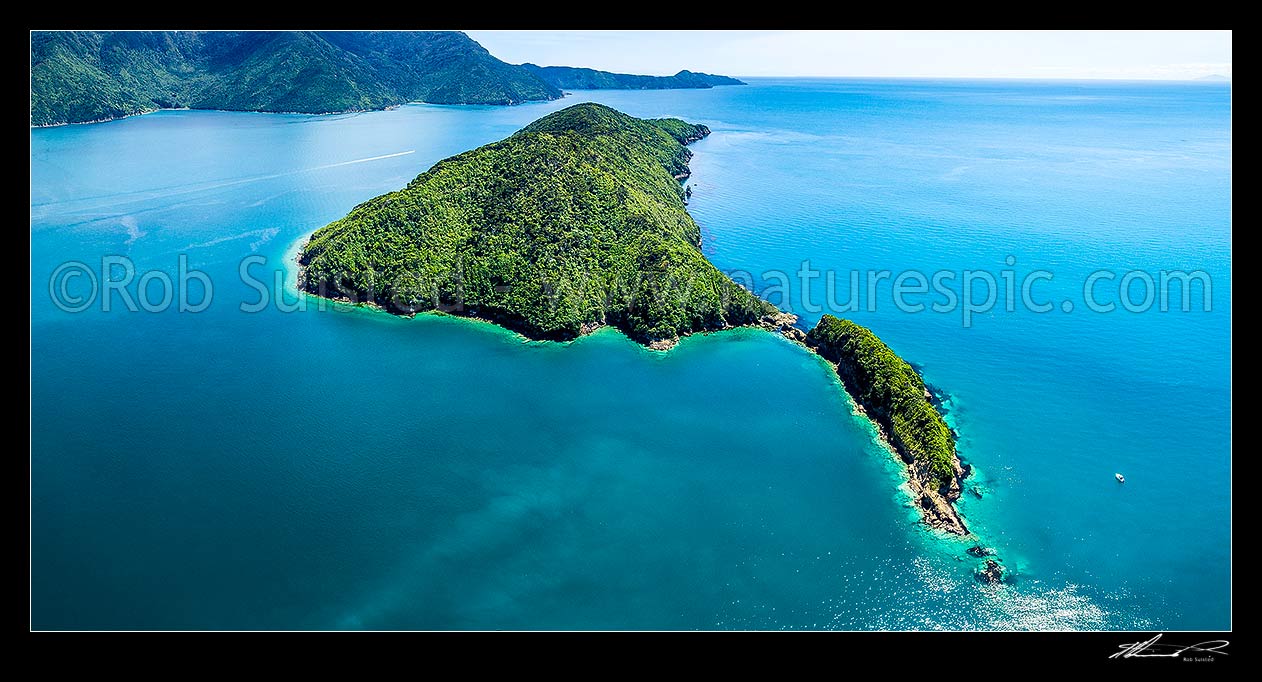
{"points": [[884, 387], [935, 501], [654, 344]]}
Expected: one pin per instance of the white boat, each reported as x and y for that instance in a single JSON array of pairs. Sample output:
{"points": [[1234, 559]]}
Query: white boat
{"points": [[1120, 478]]}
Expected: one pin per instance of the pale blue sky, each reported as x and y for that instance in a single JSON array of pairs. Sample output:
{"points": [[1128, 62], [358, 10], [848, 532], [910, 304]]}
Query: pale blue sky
{"points": [[1169, 55]]}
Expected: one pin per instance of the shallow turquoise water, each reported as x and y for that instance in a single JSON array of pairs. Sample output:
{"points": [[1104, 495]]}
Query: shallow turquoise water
{"points": [[335, 469]]}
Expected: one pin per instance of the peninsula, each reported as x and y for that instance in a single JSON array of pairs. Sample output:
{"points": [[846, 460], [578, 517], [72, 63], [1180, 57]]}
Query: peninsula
{"points": [[578, 221], [894, 397], [89, 76]]}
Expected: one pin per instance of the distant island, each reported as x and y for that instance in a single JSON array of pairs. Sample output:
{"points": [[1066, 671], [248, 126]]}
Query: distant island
{"points": [[572, 78], [88, 76], [577, 222]]}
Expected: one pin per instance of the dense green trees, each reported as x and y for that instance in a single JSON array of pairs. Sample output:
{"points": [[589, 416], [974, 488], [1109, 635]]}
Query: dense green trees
{"points": [[89, 75], [574, 221], [891, 392], [95, 75]]}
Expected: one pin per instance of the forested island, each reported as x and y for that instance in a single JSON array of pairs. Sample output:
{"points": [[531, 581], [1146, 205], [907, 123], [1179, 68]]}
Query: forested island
{"points": [[578, 221], [86, 76]]}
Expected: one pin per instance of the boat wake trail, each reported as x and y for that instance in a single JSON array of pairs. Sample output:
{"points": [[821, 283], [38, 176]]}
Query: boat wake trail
{"points": [[371, 158]]}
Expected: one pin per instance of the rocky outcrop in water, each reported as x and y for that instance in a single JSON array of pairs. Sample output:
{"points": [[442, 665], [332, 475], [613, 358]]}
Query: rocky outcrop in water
{"points": [[990, 572]]}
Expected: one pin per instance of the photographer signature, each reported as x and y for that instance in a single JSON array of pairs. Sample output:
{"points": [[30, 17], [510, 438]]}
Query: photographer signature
{"points": [[1153, 649]]}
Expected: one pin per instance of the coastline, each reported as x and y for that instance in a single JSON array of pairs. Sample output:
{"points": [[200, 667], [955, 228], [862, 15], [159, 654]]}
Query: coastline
{"points": [[937, 510], [909, 489], [107, 120], [293, 276], [386, 107], [932, 468], [225, 111]]}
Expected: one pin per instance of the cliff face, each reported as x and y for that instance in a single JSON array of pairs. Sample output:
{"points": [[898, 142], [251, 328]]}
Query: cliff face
{"points": [[894, 397], [937, 501]]}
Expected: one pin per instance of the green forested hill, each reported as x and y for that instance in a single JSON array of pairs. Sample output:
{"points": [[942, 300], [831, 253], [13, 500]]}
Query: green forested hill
{"points": [[81, 76], [446, 67], [86, 76], [577, 220], [891, 392], [569, 77]]}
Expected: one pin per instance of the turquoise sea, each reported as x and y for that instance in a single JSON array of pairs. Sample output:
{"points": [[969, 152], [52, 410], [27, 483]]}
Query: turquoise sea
{"points": [[338, 468]]}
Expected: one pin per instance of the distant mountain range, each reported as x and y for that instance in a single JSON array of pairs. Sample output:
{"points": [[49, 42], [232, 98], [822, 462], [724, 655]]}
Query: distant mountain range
{"points": [[79, 76]]}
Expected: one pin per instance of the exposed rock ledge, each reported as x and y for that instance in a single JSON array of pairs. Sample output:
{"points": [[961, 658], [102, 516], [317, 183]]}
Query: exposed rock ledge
{"points": [[936, 503]]}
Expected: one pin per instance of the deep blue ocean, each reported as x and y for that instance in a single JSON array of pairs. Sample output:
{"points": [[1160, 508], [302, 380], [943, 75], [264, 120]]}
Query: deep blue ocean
{"points": [[339, 468]]}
